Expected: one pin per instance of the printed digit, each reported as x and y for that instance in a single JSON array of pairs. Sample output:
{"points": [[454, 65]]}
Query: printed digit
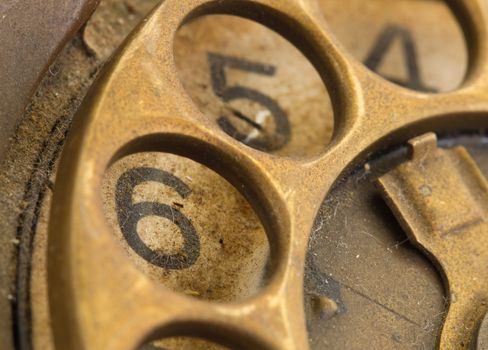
{"points": [[381, 47], [129, 214], [258, 138]]}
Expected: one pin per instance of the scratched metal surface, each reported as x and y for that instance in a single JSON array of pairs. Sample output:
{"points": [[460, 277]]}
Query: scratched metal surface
{"points": [[402, 304], [388, 294]]}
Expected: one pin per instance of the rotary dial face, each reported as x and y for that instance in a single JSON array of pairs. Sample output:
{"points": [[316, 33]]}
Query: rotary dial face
{"points": [[187, 228]]}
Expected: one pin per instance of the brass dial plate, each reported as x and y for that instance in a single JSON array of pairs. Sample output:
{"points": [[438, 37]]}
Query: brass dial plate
{"points": [[369, 113]]}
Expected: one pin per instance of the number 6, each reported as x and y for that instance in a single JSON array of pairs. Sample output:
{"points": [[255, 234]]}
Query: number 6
{"points": [[129, 215]]}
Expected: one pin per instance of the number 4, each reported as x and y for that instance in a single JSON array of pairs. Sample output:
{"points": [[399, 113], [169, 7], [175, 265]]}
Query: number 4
{"points": [[381, 47]]}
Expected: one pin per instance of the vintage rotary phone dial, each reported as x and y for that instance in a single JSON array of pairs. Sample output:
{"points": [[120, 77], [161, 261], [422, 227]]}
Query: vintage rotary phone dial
{"points": [[256, 174]]}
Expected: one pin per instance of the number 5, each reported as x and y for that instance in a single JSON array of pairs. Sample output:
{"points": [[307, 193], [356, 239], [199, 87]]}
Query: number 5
{"points": [[266, 142]]}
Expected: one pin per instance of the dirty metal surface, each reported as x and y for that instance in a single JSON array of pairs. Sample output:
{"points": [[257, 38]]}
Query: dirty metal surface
{"points": [[440, 199], [215, 229], [27, 172], [387, 294], [129, 95], [32, 33]]}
